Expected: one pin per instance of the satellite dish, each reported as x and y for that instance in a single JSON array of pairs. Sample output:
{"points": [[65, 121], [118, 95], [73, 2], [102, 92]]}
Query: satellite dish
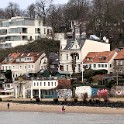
{"points": [[107, 41], [104, 38]]}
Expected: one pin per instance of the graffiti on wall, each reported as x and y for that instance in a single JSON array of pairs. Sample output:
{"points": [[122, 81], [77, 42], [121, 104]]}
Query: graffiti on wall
{"points": [[117, 91], [64, 93]]}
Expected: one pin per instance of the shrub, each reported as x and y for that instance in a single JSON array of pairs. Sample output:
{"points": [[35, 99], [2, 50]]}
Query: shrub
{"points": [[75, 99], [37, 99], [85, 96], [55, 100]]}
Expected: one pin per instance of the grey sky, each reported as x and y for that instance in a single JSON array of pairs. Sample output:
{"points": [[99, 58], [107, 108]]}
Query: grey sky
{"points": [[24, 3]]}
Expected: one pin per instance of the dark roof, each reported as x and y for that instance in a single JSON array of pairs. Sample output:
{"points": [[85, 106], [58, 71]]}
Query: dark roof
{"points": [[69, 43]]}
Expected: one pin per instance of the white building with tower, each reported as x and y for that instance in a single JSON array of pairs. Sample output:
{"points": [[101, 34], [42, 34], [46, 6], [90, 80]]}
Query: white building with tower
{"points": [[81, 47]]}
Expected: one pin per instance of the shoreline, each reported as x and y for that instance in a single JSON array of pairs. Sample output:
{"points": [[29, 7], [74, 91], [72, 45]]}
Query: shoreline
{"points": [[19, 107]]}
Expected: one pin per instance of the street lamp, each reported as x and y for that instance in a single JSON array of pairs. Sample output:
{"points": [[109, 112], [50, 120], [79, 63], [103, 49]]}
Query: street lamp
{"points": [[73, 81], [74, 55]]}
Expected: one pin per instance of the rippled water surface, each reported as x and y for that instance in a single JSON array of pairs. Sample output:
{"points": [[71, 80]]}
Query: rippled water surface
{"points": [[58, 118]]}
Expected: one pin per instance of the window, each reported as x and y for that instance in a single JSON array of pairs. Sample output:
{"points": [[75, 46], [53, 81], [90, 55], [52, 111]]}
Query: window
{"points": [[44, 31], [79, 68], [102, 65], [55, 83], [94, 65], [121, 62], [78, 57], [52, 83], [110, 65], [67, 67], [34, 83], [106, 65], [44, 83], [99, 65], [89, 65], [66, 56], [40, 83], [48, 83], [37, 83]]}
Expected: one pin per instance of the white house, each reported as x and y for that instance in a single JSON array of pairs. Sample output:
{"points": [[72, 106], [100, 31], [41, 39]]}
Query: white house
{"points": [[22, 30], [7, 91], [35, 88], [24, 63], [100, 60], [80, 48]]}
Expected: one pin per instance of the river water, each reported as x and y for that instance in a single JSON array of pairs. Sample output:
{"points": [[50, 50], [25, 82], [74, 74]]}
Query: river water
{"points": [[59, 118]]}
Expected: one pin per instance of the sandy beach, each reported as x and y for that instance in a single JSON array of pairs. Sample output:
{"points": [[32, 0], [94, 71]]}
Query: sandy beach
{"points": [[57, 108]]}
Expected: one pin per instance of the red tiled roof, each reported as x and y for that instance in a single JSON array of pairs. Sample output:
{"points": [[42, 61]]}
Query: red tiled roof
{"points": [[99, 57], [120, 55], [11, 56], [64, 84], [14, 56]]}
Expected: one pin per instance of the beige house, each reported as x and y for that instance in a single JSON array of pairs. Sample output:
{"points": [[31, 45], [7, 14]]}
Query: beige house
{"points": [[100, 60], [24, 63], [119, 63]]}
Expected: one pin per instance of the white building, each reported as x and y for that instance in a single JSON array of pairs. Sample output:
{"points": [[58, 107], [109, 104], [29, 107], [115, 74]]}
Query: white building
{"points": [[35, 88], [24, 63], [22, 30], [7, 91], [81, 47], [100, 60], [44, 88]]}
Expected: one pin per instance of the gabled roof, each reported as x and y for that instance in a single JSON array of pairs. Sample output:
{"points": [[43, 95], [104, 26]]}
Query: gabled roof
{"points": [[64, 84], [69, 43], [99, 57], [120, 55], [13, 56]]}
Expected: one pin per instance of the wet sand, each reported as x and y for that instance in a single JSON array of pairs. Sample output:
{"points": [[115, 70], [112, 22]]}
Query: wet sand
{"points": [[57, 108]]}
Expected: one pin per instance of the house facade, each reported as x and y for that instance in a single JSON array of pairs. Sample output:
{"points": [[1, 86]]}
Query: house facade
{"points": [[119, 63], [78, 48], [24, 63], [22, 30], [100, 60]]}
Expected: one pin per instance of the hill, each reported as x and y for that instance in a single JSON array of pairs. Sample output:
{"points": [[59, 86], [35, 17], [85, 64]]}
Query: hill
{"points": [[46, 45]]}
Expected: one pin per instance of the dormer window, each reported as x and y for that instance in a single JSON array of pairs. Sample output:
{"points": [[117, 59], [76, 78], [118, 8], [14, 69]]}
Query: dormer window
{"points": [[89, 59], [102, 58]]}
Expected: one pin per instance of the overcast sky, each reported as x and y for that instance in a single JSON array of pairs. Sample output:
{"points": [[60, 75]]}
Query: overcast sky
{"points": [[24, 3]]}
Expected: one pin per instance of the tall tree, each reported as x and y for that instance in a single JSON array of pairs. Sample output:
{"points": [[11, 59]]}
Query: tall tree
{"points": [[55, 17], [31, 11], [42, 9], [12, 10]]}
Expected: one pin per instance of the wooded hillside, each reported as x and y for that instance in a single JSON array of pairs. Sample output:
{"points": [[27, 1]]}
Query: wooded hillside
{"points": [[46, 45]]}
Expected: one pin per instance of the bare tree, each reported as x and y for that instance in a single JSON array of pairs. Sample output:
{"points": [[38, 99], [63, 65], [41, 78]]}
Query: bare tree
{"points": [[55, 17], [2, 14], [42, 9], [12, 10], [31, 11]]}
